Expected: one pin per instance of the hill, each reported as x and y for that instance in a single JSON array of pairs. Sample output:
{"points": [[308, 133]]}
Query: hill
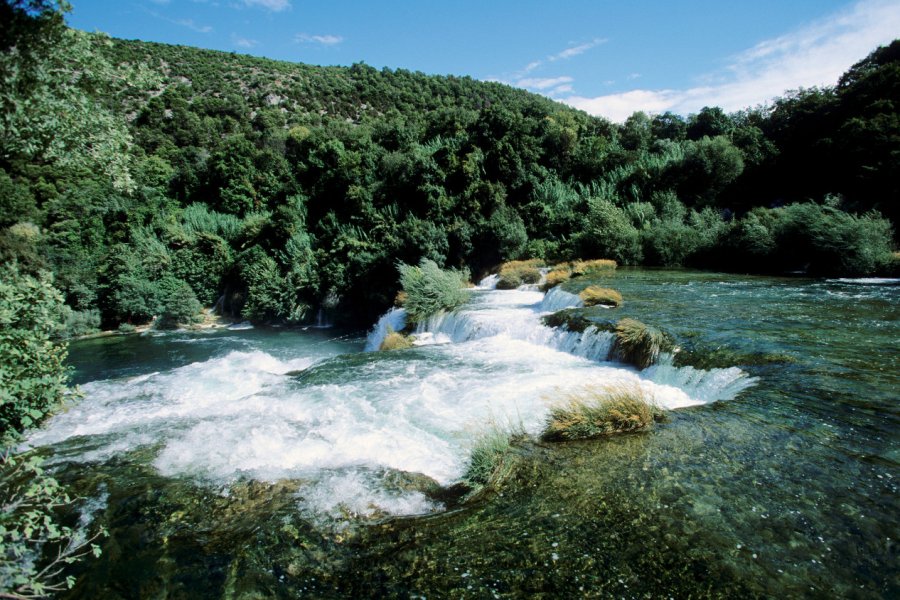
{"points": [[277, 189]]}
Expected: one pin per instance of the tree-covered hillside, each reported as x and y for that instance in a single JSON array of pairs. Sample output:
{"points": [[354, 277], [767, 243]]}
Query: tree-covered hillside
{"points": [[182, 177]]}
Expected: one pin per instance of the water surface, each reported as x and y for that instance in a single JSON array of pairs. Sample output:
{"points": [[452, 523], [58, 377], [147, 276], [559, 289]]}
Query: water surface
{"points": [[274, 462]]}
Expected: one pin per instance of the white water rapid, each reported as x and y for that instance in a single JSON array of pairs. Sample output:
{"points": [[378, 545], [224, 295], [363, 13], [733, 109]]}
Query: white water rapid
{"points": [[342, 423]]}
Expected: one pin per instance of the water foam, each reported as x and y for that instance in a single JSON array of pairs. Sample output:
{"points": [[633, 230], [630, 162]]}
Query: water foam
{"points": [[339, 423]]}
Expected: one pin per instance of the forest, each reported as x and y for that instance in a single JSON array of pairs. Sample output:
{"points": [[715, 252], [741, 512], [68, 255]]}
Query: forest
{"points": [[164, 178], [141, 183]]}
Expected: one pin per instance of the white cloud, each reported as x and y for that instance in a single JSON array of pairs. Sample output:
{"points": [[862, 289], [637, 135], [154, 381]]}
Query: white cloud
{"points": [[543, 83], [562, 89], [576, 50], [565, 54], [618, 107], [814, 55], [189, 23], [273, 5], [243, 42], [325, 40]]}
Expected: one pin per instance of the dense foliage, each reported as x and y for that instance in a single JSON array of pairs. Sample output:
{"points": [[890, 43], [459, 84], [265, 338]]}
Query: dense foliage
{"points": [[33, 375], [274, 190], [430, 290]]}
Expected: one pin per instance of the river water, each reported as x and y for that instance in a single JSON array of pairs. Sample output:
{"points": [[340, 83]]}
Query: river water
{"points": [[289, 462]]}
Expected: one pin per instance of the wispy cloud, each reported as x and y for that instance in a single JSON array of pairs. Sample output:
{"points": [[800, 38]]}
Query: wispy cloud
{"points": [[242, 42], [576, 50], [273, 5], [190, 24], [563, 55], [543, 83], [814, 55], [324, 40]]}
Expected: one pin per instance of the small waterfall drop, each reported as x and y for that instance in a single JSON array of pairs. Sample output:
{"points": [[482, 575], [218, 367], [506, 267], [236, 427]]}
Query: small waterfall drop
{"points": [[393, 320], [558, 299]]}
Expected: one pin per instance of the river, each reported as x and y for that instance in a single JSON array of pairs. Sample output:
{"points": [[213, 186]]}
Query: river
{"points": [[287, 462]]}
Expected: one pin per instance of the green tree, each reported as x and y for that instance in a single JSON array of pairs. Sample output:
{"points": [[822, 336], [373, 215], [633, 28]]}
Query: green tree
{"points": [[32, 365]]}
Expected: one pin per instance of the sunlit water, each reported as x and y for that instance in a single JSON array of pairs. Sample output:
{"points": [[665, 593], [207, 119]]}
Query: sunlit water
{"points": [[771, 477]]}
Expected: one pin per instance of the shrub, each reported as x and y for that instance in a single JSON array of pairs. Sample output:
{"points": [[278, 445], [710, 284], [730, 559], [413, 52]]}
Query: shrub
{"points": [[518, 272], [80, 322], [179, 304], [599, 411], [640, 344], [430, 289], [33, 374], [609, 232], [595, 295]]}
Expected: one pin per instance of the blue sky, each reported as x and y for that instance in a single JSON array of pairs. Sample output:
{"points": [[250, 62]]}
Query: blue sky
{"points": [[608, 57]]}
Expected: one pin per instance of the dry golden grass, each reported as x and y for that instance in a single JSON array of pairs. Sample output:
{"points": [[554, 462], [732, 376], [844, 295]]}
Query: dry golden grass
{"points": [[640, 344], [517, 272], [583, 267], [595, 295], [555, 277], [396, 341], [600, 411]]}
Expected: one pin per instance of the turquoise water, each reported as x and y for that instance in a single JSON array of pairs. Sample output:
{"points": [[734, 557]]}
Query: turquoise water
{"points": [[287, 462]]}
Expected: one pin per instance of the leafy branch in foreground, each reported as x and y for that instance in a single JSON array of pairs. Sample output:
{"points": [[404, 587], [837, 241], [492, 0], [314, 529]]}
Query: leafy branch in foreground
{"points": [[29, 531]]}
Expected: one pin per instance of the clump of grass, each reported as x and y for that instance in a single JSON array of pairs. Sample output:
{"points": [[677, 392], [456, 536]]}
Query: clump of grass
{"points": [[562, 272], [555, 277], [600, 411], [518, 272], [395, 341], [583, 267], [640, 344], [491, 456], [595, 295], [400, 299], [430, 289]]}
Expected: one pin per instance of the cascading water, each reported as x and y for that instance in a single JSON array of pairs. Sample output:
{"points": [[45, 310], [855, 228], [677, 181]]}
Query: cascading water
{"points": [[340, 423]]}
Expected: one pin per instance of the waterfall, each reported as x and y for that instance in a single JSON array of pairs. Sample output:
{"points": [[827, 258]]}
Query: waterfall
{"points": [[557, 299], [514, 316], [393, 320]]}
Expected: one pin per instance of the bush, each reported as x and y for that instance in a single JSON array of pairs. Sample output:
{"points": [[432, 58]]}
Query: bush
{"points": [[610, 233], [832, 242], [33, 374], [179, 304], [639, 344], [80, 322], [595, 295], [597, 412], [430, 289], [519, 272]]}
